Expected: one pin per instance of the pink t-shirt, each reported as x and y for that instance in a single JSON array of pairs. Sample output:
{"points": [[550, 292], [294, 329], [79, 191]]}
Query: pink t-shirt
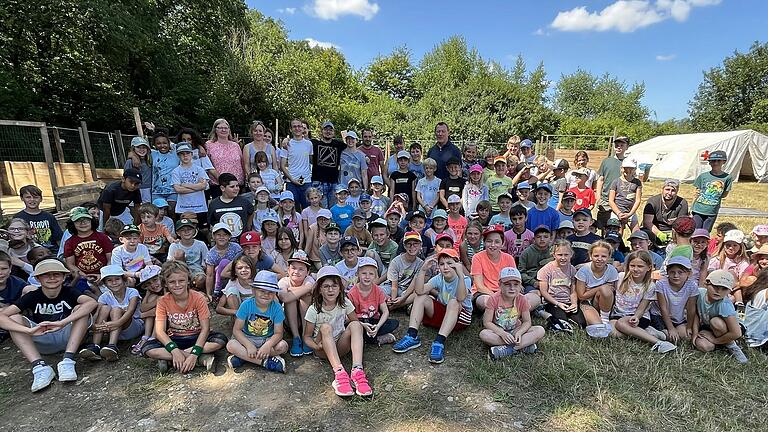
{"points": [[459, 226], [367, 307], [483, 266], [507, 315], [373, 157], [515, 244], [560, 283], [309, 215], [737, 268], [226, 158]]}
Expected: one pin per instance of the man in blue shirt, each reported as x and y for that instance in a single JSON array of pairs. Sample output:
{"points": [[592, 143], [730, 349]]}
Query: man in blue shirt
{"points": [[443, 150]]}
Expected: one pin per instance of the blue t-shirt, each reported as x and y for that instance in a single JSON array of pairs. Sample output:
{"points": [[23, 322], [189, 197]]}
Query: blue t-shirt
{"points": [[580, 245], [722, 308], [163, 165], [260, 323], [342, 215], [447, 290], [501, 219], [429, 190], [711, 189], [352, 166], [548, 217], [265, 262], [418, 169], [213, 258], [12, 290]]}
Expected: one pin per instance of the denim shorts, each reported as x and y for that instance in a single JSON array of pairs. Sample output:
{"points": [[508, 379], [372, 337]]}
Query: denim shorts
{"points": [[133, 331]]}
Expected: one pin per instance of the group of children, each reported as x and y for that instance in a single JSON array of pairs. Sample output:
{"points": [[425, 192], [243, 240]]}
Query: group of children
{"points": [[441, 250]]}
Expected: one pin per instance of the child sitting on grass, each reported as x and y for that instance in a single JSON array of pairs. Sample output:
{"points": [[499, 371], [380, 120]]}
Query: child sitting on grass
{"points": [[595, 286], [716, 322], [118, 315], [557, 287], [331, 329], [257, 336], [182, 325], [149, 282], [239, 286], [443, 303], [371, 305], [131, 256], [190, 251], [507, 319], [296, 296]]}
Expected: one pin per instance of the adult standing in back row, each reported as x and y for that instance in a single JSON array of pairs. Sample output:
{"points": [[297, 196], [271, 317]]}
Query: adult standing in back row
{"points": [[325, 164], [374, 157], [296, 164], [443, 150], [225, 154], [609, 171]]}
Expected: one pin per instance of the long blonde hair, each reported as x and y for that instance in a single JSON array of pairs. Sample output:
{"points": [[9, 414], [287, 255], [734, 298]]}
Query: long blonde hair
{"points": [[643, 256]]}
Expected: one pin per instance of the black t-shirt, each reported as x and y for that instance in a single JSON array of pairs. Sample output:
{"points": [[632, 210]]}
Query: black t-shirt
{"points": [[234, 213], [38, 307], [326, 159], [12, 291], [118, 198], [404, 183], [581, 246], [47, 230], [452, 187], [664, 216]]}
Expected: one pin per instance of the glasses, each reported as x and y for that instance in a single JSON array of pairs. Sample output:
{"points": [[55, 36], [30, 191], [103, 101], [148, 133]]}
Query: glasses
{"points": [[328, 286], [16, 229], [222, 127]]}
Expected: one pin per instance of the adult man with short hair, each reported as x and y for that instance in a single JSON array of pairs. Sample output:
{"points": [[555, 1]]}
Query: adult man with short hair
{"points": [[296, 163], [443, 150], [609, 171], [374, 157], [325, 164], [662, 209]]}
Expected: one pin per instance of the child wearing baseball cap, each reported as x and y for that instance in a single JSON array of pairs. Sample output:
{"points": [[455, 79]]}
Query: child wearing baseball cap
{"points": [[371, 305], [716, 322], [712, 187], [443, 302], [507, 319]]}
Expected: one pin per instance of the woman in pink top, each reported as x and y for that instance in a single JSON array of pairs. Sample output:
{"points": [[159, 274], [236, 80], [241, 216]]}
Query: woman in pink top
{"points": [[225, 154], [487, 265]]}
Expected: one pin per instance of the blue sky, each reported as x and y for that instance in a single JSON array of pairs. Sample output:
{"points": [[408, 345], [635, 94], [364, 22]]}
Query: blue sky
{"points": [[665, 43]]}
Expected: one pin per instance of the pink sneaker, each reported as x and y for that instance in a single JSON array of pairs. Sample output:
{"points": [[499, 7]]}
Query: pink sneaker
{"points": [[341, 384], [361, 383]]}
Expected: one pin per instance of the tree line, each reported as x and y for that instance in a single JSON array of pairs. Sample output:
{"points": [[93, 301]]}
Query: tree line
{"points": [[188, 62]]}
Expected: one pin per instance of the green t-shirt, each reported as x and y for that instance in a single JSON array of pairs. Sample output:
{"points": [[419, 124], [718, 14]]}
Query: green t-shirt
{"points": [[497, 186], [386, 252], [610, 170], [711, 189]]}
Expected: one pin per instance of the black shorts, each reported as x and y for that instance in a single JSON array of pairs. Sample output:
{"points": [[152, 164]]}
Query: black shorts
{"points": [[476, 296], [659, 325], [643, 323], [602, 217]]}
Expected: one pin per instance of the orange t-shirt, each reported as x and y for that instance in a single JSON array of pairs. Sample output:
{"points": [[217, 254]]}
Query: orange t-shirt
{"points": [[155, 239], [182, 321], [482, 265]]}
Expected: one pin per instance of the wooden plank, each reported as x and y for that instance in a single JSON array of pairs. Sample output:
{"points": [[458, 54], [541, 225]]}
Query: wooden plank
{"points": [[48, 156], [21, 123], [57, 143], [137, 120], [88, 151]]}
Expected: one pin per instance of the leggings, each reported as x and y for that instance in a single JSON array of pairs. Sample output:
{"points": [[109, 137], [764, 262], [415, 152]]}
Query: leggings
{"points": [[704, 221], [560, 314]]}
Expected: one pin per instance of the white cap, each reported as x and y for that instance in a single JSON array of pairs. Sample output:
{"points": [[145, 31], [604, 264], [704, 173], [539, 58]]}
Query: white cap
{"points": [[111, 270], [510, 273], [403, 154], [221, 226], [366, 261], [454, 199], [629, 163], [734, 236]]}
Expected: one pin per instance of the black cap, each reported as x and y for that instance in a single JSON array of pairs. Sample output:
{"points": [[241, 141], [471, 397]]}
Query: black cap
{"points": [[348, 240], [583, 211], [415, 213], [569, 195], [542, 228], [132, 173], [453, 161], [333, 226]]}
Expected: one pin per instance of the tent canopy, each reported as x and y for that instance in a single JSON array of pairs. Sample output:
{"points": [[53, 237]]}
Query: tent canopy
{"points": [[684, 157]]}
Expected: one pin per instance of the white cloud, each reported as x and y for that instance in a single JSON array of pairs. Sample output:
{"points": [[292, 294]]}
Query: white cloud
{"points": [[287, 11], [540, 32], [667, 57], [324, 45], [333, 9], [626, 16]]}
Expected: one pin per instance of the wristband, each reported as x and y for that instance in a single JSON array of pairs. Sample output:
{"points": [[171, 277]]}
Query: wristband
{"points": [[170, 346], [197, 350]]}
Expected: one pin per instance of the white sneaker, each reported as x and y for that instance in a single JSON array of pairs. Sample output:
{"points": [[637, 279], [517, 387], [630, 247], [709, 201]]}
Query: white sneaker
{"points": [[43, 375], [660, 335], [737, 353], [599, 330], [663, 347], [66, 369]]}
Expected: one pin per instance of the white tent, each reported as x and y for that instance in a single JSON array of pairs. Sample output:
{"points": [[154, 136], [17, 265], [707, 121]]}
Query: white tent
{"points": [[683, 157]]}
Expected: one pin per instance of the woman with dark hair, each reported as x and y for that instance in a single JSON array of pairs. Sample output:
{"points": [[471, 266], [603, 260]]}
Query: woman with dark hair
{"points": [[259, 144]]}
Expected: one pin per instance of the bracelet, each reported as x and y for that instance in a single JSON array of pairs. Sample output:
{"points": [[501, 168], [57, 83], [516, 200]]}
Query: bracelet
{"points": [[197, 350], [170, 346]]}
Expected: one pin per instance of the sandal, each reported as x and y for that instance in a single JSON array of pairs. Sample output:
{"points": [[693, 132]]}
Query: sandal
{"points": [[136, 348]]}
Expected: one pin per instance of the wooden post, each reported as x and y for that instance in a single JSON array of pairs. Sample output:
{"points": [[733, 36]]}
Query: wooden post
{"points": [[137, 120], [87, 149], [276, 135], [48, 157], [57, 142], [120, 146]]}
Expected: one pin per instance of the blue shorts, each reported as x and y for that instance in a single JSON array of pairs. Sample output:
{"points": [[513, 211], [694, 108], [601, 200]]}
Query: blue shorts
{"points": [[133, 331], [54, 342]]}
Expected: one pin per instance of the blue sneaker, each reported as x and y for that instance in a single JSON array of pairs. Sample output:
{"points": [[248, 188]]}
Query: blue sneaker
{"points": [[274, 364], [406, 344], [307, 350], [297, 348], [235, 362], [531, 349], [501, 351], [437, 355]]}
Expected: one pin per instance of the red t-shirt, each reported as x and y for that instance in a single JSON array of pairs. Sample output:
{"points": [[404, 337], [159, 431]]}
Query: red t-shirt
{"points": [[373, 157], [459, 226], [182, 321], [90, 252], [367, 307], [584, 199]]}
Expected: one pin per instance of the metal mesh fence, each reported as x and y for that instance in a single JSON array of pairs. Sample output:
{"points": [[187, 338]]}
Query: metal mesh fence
{"points": [[69, 142], [21, 143]]}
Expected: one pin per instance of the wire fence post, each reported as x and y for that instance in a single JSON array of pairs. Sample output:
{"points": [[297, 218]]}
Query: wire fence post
{"points": [[59, 149], [87, 151], [48, 156], [120, 146]]}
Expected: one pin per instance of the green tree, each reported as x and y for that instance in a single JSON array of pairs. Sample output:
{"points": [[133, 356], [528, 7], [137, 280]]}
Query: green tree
{"points": [[587, 96], [392, 75], [733, 94]]}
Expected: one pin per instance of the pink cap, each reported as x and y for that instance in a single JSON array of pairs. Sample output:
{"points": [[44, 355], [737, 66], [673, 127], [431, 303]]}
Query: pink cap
{"points": [[760, 230], [475, 168]]}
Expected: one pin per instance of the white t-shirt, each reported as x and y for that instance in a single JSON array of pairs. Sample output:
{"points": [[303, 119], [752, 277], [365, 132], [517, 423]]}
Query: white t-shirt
{"points": [[110, 300], [336, 317], [194, 201], [429, 189], [194, 255], [348, 273], [610, 275], [131, 261], [298, 157], [234, 288]]}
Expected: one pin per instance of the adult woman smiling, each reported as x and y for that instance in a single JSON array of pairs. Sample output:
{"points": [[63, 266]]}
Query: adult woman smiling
{"points": [[259, 143], [225, 154]]}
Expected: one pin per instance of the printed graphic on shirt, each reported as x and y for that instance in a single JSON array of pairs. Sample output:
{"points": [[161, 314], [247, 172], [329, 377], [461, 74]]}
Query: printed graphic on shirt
{"points": [[233, 221], [183, 322], [326, 156], [712, 193], [259, 326], [87, 251], [42, 230], [52, 309], [507, 318]]}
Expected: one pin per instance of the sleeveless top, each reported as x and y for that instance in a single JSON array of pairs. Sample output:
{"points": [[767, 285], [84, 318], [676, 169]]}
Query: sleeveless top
{"points": [[252, 156]]}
